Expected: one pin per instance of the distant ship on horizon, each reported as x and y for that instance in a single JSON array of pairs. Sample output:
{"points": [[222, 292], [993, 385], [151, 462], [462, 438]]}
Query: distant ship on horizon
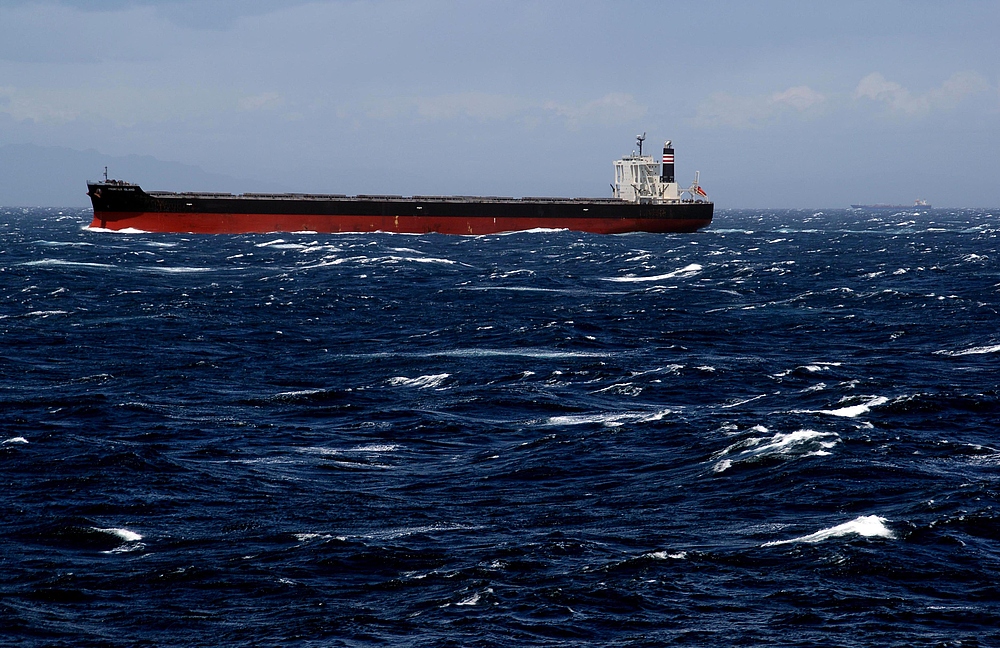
{"points": [[917, 204]]}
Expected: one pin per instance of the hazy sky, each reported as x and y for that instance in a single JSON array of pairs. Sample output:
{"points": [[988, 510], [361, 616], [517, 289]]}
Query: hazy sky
{"points": [[778, 104]]}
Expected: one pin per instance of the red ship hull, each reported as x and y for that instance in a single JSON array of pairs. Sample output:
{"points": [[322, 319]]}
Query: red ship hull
{"points": [[213, 223]]}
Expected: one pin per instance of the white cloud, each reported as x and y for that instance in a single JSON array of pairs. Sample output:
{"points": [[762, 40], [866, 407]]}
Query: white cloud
{"points": [[899, 99], [723, 109], [800, 98]]}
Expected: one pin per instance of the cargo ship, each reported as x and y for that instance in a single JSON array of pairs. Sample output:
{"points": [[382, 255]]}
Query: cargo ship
{"points": [[646, 198], [917, 204]]}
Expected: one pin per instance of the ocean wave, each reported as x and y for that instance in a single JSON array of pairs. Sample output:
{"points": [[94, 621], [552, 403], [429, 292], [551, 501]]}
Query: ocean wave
{"points": [[377, 260], [809, 368], [993, 348], [68, 264], [685, 272], [124, 534], [849, 411], [44, 314], [802, 443], [420, 382], [65, 243], [175, 270], [866, 526], [665, 555], [608, 419]]}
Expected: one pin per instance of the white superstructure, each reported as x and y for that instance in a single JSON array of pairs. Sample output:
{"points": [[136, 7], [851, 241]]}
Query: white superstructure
{"points": [[640, 179]]}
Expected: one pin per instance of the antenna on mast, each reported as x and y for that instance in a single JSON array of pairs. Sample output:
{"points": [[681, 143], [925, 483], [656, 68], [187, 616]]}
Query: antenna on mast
{"points": [[105, 174], [639, 139]]}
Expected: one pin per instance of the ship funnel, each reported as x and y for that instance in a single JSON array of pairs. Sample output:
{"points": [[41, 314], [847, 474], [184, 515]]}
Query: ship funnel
{"points": [[668, 162]]}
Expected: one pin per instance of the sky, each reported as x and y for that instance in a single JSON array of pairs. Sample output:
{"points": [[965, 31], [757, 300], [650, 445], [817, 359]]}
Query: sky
{"points": [[778, 104]]}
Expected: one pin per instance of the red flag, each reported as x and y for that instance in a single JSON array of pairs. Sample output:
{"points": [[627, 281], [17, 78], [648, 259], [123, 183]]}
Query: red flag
{"points": [[701, 191]]}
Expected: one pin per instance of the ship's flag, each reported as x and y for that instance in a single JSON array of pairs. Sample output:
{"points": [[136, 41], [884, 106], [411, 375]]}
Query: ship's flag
{"points": [[668, 159], [701, 191]]}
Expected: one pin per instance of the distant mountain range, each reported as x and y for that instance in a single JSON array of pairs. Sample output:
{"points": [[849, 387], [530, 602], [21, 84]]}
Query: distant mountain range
{"points": [[54, 176]]}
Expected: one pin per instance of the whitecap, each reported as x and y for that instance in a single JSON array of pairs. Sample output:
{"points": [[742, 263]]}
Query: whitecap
{"points": [[743, 401], [176, 270], [71, 244], [782, 443], [300, 392], [803, 443], [723, 466], [868, 526], [15, 440], [391, 534], [274, 242], [71, 264], [47, 313], [512, 273], [973, 351], [420, 382], [663, 555], [852, 411], [514, 289], [686, 271], [124, 534], [423, 260], [377, 447], [811, 368], [625, 389], [608, 419], [530, 353]]}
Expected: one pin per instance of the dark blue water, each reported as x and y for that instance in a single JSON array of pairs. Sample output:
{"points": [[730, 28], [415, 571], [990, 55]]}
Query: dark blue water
{"points": [[781, 430]]}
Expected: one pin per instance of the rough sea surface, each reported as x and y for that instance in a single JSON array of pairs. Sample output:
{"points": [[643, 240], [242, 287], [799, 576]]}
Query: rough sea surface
{"points": [[782, 430]]}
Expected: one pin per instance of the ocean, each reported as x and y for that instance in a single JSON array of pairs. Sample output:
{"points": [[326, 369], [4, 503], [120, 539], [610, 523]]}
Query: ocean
{"points": [[781, 430]]}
